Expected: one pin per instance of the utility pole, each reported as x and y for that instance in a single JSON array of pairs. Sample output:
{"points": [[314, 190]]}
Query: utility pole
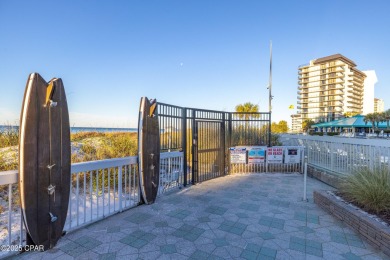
{"points": [[270, 95]]}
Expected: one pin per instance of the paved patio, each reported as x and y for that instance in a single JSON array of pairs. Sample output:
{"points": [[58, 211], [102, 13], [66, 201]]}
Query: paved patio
{"points": [[257, 216]]}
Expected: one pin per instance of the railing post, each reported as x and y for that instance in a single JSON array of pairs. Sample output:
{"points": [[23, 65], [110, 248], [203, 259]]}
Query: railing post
{"points": [[184, 143], [332, 153], [223, 137], [9, 213], [305, 180], [119, 188], [229, 139], [303, 160], [21, 227]]}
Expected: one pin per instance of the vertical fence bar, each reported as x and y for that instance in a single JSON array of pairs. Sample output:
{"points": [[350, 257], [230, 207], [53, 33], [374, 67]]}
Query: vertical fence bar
{"points": [[184, 143], [77, 198], [85, 197], [109, 191], [9, 213], [120, 187], [194, 139], [21, 227], [97, 192], [126, 170], [104, 189], [70, 204], [91, 193]]}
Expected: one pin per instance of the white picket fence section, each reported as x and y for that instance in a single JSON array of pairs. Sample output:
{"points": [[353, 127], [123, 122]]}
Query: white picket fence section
{"points": [[341, 155], [98, 189]]}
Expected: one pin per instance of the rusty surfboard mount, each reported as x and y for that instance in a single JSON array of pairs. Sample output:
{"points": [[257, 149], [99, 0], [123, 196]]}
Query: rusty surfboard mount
{"points": [[44, 160], [148, 150]]}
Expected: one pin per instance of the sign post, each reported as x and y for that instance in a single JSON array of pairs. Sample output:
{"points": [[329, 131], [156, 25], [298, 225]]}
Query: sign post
{"points": [[305, 180]]}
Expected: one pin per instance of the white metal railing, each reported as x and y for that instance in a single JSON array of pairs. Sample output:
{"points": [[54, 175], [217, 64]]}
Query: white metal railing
{"points": [[171, 171], [341, 155], [98, 189]]}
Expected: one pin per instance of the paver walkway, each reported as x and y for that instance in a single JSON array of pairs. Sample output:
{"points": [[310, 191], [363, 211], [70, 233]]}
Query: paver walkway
{"points": [[256, 216]]}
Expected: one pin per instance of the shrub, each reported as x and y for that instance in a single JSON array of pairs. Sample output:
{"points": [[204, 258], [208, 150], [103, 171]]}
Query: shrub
{"points": [[369, 189], [84, 135], [332, 134], [9, 137]]}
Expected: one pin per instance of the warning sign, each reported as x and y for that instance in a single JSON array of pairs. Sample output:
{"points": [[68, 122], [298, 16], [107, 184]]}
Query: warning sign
{"points": [[256, 155], [275, 154], [237, 155], [292, 155]]}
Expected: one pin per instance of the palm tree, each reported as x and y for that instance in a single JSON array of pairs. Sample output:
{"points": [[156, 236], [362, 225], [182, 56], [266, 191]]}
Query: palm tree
{"points": [[306, 125], [246, 109], [386, 116], [371, 117], [379, 117]]}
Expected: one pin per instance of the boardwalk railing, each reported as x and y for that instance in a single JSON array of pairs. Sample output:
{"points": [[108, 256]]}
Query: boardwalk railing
{"points": [[98, 189], [341, 155]]}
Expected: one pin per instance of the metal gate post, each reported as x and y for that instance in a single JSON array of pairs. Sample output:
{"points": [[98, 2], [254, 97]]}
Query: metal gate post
{"points": [[193, 145], [184, 142], [223, 159], [229, 139]]}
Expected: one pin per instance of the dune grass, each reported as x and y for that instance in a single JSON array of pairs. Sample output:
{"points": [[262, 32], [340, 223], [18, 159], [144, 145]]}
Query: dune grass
{"points": [[9, 137], [369, 189], [99, 146]]}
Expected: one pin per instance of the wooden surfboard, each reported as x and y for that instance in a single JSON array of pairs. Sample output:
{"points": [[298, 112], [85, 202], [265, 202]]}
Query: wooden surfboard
{"points": [[148, 150], [44, 160]]}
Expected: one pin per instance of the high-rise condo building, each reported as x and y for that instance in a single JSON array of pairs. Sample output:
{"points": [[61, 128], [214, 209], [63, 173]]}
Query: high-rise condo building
{"points": [[369, 84], [330, 87], [296, 123], [379, 105]]}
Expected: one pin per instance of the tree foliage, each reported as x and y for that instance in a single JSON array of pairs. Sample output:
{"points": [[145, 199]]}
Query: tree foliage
{"points": [[375, 119], [280, 127], [247, 107], [386, 117], [306, 125]]}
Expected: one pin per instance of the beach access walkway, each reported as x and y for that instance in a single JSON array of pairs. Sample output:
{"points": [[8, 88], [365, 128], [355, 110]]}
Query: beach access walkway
{"points": [[250, 216]]}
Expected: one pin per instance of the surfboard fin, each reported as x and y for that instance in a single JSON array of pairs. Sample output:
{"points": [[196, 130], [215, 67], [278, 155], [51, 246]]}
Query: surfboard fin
{"points": [[153, 107], [49, 95]]}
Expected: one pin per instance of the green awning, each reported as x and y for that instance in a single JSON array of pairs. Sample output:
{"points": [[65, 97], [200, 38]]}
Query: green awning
{"points": [[350, 122]]}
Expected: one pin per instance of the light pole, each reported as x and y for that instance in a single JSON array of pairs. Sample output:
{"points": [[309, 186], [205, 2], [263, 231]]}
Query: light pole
{"points": [[270, 95]]}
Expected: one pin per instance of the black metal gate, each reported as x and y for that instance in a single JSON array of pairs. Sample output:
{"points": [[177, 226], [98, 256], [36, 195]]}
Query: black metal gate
{"points": [[204, 136], [208, 150]]}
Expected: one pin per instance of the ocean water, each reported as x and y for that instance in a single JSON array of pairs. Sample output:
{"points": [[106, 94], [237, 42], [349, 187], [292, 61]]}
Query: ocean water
{"points": [[78, 129]]}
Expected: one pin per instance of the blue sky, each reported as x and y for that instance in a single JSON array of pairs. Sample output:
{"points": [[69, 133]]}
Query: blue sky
{"points": [[205, 54]]}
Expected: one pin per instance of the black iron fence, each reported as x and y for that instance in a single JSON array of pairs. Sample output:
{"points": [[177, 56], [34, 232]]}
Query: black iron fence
{"points": [[204, 136]]}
